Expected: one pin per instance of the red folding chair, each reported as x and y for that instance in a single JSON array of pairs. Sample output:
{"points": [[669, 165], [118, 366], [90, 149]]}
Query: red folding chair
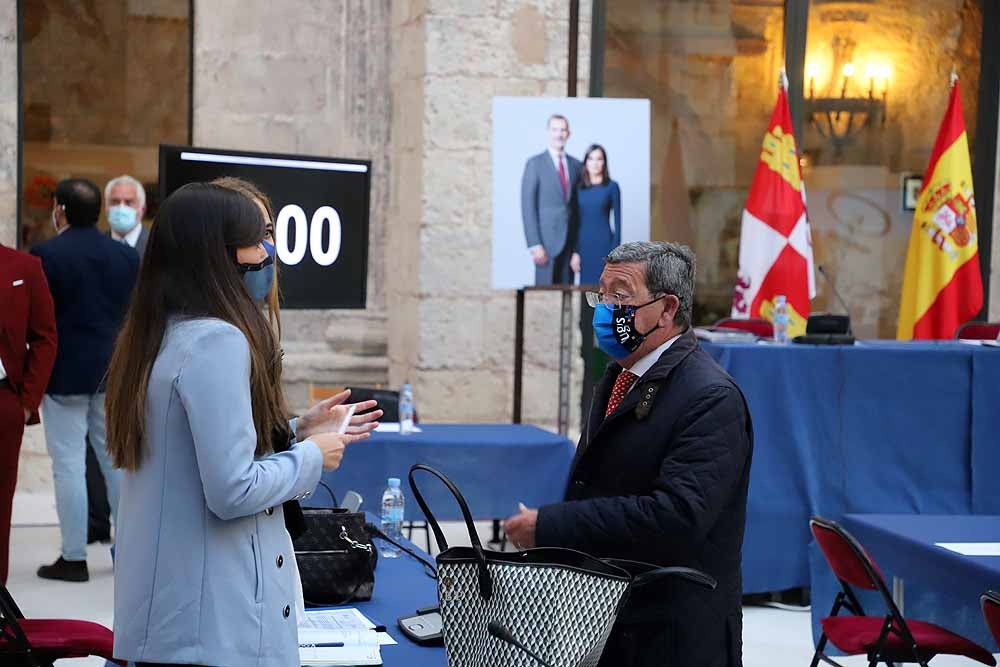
{"points": [[39, 642], [758, 327], [978, 331], [991, 612], [889, 638]]}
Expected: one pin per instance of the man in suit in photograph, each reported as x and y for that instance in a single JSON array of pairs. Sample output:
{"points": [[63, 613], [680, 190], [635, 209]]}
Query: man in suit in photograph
{"points": [[125, 201], [91, 277], [27, 353], [548, 207]]}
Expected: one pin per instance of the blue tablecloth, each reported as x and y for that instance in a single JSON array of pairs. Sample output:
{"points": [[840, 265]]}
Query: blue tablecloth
{"points": [[495, 466], [904, 547], [881, 426], [402, 587]]}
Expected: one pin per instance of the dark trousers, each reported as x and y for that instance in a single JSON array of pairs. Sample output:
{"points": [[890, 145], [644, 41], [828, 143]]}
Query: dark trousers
{"points": [[11, 431], [98, 508]]}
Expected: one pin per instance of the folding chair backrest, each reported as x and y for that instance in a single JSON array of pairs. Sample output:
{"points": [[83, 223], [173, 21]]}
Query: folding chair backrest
{"points": [[978, 331], [388, 401], [846, 557], [991, 612], [756, 326]]}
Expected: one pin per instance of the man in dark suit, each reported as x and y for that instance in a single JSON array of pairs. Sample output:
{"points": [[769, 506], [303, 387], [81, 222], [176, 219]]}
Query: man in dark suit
{"points": [[662, 468], [91, 278], [125, 200], [27, 353], [548, 207]]}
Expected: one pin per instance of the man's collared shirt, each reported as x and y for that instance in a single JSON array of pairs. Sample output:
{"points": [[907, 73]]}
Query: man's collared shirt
{"points": [[556, 159], [645, 363], [131, 238]]}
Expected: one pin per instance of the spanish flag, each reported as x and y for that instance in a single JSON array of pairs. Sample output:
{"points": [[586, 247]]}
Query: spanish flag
{"points": [[942, 287], [776, 255]]}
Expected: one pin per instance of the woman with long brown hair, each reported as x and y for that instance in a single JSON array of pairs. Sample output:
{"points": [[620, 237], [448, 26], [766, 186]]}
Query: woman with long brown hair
{"points": [[194, 402], [322, 417]]}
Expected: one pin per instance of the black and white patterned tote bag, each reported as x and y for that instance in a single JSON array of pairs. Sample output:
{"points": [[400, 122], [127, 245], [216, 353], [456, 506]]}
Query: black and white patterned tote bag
{"points": [[545, 606]]}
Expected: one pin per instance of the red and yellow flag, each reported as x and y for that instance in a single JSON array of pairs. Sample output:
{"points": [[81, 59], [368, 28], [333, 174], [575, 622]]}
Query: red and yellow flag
{"points": [[775, 242], [942, 287]]}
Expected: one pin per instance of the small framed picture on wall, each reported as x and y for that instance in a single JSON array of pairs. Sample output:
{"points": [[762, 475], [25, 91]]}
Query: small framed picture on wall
{"points": [[911, 191]]}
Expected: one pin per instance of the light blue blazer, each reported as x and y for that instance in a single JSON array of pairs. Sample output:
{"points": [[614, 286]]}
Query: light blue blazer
{"points": [[202, 568]]}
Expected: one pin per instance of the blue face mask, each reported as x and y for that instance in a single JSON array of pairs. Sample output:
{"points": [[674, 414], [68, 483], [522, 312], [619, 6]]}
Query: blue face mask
{"points": [[122, 218], [259, 279], [615, 329]]}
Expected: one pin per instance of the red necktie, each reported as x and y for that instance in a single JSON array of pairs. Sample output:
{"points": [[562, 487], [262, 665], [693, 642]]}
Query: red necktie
{"points": [[623, 383], [562, 178]]}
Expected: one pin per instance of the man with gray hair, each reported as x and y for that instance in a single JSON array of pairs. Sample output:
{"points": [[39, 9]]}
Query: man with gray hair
{"points": [[125, 199], [662, 468], [126, 203]]}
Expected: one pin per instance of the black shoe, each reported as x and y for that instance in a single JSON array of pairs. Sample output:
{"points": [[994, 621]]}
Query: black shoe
{"points": [[103, 538], [65, 570]]}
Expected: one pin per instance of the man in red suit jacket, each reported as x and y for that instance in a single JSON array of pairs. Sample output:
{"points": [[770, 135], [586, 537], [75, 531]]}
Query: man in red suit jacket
{"points": [[27, 353]]}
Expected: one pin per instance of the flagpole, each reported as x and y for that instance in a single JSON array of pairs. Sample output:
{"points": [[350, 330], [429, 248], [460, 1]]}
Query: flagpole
{"points": [[783, 79], [953, 78]]}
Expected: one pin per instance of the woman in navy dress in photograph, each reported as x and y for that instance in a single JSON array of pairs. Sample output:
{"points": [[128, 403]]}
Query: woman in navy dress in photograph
{"points": [[597, 197]]}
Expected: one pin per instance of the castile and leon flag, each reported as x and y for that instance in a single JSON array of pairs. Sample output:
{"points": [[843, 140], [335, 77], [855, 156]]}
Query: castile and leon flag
{"points": [[775, 242]]}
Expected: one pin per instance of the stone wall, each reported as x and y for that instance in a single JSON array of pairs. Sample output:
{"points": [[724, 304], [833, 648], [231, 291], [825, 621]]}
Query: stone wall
{"points": [[34, 469], [710, 70], [8, 124], [449, 332], [309, 78]]}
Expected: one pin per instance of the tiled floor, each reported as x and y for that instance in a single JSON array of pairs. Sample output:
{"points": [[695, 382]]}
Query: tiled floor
{"points": [[770, 636]]}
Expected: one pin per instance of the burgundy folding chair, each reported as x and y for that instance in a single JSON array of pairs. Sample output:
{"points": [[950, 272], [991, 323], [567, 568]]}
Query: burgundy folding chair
{"points": [[758, 327], [991, 612], [39, 642], [889, 638], [978, 331]]}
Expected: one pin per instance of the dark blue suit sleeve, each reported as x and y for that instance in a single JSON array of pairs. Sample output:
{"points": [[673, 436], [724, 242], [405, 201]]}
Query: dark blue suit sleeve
{"points": [[701, 471]]}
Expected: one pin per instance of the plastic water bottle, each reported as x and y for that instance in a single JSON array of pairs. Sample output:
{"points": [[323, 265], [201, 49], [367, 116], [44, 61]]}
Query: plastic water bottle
{"points": [[780, 319], [406, 410], [393, 504]]}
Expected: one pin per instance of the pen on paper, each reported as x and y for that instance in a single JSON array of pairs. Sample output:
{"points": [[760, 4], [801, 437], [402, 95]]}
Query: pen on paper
{"points": [[323, 645]]}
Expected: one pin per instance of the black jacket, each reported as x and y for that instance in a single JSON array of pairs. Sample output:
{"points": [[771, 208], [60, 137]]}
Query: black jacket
{"points": [[664, 480], [91, 278]]}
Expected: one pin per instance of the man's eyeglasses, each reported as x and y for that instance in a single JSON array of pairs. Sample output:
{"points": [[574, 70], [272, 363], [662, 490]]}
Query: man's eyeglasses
{"points": [[614, 300]]}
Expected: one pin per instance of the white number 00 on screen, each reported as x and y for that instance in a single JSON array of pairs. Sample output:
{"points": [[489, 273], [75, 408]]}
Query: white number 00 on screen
{"points": [[308, 235]]}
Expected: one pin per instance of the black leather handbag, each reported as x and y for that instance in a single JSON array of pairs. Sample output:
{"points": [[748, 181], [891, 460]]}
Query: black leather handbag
{"points": [[335, 557]]}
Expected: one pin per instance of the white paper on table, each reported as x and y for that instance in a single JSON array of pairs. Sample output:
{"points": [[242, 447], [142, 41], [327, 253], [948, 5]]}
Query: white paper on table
{"points": [[360, 647], [335, 620], [972, 548], [393, 427]]}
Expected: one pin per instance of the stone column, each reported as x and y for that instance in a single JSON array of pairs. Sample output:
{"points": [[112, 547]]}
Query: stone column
{"points": [[8, 124], [309, 78], [450, 334]]}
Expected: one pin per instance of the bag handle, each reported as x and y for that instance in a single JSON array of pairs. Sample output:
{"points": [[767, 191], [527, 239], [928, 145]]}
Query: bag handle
{"points": [[485, 582], [333, 498], [694, 576]]}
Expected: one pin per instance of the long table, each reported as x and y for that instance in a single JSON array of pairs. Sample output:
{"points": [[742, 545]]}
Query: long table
{"points": [[909, 428], [495, 466], [402, 587]]}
